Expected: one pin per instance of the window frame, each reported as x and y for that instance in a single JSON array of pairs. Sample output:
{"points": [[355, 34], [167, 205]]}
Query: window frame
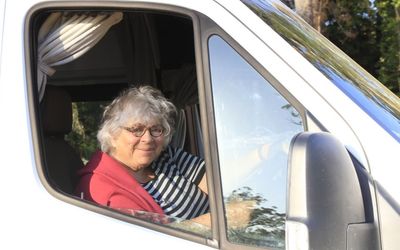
{"points": [[33, 105], [208, 29]]}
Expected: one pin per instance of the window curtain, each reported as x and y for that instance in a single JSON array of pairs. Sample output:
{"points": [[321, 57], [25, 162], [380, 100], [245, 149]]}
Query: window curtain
{"points": [[178, 140], [65, 36], [180, 86], [146, 57]]}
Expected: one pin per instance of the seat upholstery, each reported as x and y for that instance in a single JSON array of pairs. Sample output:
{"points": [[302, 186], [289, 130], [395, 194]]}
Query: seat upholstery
{"points": [[62, 161]]}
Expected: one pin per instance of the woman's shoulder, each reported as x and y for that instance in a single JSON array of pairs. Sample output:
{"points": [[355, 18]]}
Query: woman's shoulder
{"points": [[179, 153], [171, 151], [167, 158]]}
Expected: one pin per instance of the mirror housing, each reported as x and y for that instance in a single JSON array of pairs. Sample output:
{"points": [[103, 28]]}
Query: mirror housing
{"points": [[325, 207]]}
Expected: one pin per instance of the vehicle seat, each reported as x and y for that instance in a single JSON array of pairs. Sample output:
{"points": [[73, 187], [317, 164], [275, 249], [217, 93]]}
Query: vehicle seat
{"points": [[61, 160]]}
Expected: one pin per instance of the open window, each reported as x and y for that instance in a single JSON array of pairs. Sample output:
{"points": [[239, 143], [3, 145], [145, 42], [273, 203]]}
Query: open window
{"points": [[83, 58]]}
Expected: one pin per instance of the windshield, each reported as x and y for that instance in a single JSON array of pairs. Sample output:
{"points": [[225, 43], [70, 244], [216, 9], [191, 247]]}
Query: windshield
{"points": [[374, 98]]}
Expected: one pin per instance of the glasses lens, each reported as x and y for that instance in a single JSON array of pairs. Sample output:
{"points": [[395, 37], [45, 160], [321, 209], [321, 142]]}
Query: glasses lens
{"points": [[137, 130], [156, 131]]}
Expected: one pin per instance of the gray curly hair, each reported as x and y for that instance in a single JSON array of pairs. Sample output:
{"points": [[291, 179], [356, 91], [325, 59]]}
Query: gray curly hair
{"points": [[142, 104]]}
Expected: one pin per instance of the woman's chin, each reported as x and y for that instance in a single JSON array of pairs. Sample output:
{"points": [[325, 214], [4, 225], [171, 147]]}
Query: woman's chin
{"points": [[146, 160]]}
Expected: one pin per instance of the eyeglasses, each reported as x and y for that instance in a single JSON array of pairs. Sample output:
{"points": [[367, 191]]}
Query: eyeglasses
{"points": [[138, 130]]}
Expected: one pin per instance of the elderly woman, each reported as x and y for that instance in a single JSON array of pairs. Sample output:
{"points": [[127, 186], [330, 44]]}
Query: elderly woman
{"points": [[136, 170]]}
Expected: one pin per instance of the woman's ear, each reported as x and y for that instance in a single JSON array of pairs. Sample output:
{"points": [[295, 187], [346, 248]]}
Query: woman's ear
{"points": [[113, 139]]}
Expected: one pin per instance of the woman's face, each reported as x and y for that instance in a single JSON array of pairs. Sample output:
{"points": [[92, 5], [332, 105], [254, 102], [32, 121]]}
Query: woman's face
{"points": [[137, 152]]}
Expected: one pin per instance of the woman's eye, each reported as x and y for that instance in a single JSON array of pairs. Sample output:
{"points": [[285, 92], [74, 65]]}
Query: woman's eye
{"points": [[156, 129], [137, 129]]}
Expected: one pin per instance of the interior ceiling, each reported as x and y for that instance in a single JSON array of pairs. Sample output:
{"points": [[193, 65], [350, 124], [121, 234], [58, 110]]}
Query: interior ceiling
{"points": [[108, 67]]}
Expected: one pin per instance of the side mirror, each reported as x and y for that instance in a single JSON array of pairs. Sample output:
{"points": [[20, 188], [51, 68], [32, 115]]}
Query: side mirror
{"points": [[325, 207]]}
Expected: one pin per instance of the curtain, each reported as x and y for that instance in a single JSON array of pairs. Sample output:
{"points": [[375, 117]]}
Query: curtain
{"points": [[146, 58], [178, 140], [65, 36], [180, 85]]}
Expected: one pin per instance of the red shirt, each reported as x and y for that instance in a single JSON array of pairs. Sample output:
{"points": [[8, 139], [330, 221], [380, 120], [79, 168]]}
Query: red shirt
{"points": [[106, 182]]}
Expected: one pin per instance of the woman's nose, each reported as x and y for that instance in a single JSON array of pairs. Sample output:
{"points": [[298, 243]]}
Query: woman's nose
{"points": [[146, 136]]}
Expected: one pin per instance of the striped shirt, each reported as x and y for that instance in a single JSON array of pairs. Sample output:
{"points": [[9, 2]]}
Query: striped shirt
{"points": [[175, 187]]}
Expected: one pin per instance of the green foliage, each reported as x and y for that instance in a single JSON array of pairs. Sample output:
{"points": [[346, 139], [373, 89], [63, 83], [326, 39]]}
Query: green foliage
{"points": [[86, 119], [351, 25], [367, 31], [388, 12], [327, 58]]}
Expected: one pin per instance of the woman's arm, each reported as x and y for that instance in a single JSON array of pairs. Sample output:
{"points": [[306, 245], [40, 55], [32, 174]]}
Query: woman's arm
{"points": [[203, 184]]}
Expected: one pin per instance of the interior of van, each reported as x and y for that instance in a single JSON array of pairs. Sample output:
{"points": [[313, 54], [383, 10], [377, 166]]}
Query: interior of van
{"points": [[139, 48]]}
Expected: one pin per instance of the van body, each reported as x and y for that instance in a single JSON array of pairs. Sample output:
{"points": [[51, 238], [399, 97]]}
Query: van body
{"points": [[244, 73]]}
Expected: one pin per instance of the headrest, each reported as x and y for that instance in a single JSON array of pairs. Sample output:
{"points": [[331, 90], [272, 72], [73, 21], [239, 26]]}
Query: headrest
{"points": [[56, 108]]}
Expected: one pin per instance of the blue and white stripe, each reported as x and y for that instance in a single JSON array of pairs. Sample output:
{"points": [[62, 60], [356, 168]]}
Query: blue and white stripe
{"points": [[175, 187]]}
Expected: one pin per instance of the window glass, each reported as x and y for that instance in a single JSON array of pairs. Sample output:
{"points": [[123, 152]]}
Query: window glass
{"points": [[254, 126]]}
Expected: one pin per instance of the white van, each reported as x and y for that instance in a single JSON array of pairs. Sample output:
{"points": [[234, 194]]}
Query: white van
{"points": [[243, 74]]}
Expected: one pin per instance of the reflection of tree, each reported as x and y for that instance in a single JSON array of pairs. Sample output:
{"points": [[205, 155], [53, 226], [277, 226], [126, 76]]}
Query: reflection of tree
{"points": [[266, 226]]}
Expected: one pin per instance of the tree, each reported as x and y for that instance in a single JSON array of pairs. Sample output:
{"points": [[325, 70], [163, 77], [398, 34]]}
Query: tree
{"points": [[351, 25], [388, 14], [86, 119], [368, 31], [312, 11]]}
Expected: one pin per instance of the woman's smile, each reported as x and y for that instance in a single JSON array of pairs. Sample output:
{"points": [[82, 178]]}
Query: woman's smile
{"points": [[146, 151]]}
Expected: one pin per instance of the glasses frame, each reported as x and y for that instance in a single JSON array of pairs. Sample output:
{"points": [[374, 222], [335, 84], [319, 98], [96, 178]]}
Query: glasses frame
{"points": [[136, 134]]}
